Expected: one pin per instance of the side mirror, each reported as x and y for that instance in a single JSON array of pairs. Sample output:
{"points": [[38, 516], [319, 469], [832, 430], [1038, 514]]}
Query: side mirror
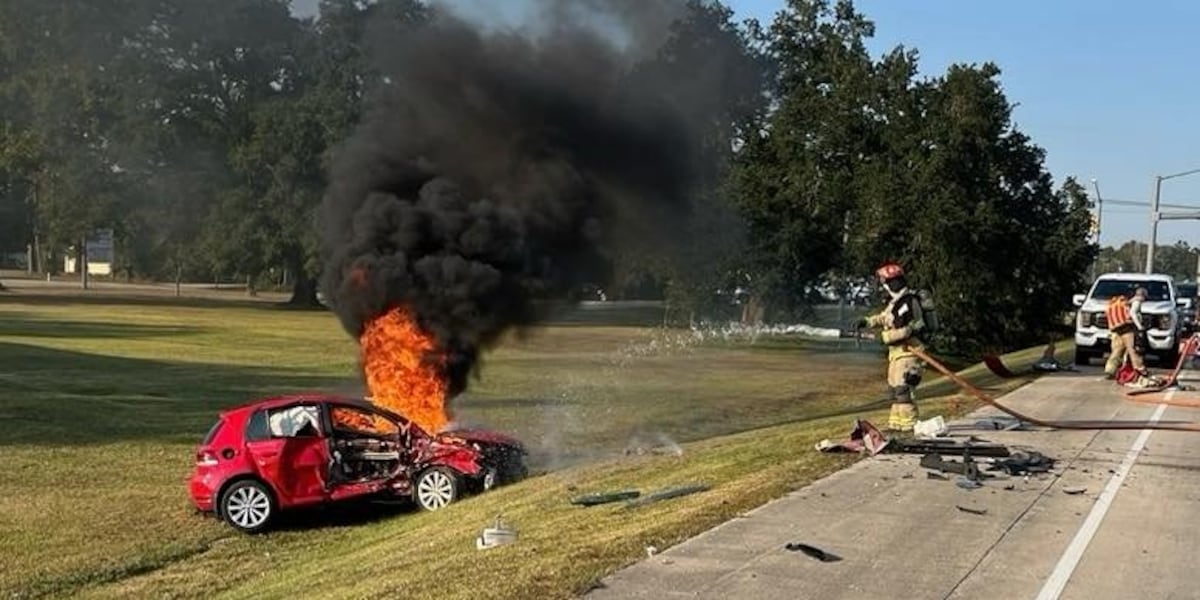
{"points": [[1078, 299]]}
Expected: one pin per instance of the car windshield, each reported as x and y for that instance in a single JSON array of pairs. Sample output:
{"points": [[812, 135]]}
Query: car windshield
{"points": [[1186, 290], [1156, 291]]}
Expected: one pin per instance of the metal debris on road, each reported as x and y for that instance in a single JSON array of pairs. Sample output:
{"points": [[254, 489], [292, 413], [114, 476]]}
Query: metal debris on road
{"points": [[974, 511], [1000, 424], [1024, 462], [812, 551]]}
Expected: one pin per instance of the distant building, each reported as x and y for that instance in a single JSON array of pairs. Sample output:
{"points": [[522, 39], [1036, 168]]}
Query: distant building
{"points": [[99, 254]]}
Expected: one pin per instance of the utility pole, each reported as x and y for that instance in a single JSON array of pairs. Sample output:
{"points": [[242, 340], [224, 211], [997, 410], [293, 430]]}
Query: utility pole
{"points": [[1155, 215], [1158, 179]]}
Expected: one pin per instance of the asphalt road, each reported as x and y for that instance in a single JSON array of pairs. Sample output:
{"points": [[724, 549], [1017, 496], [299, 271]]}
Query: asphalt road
{"points": [[1130, 534]]}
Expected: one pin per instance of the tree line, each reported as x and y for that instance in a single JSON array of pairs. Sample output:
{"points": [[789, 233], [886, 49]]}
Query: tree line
{"points": [[199, 133]]}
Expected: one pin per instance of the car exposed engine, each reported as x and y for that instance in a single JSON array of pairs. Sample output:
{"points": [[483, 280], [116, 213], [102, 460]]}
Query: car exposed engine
{"points": [[359, 459]]}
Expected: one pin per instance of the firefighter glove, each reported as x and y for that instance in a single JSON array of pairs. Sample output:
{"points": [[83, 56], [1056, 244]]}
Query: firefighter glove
{"points": [[895, 336]]}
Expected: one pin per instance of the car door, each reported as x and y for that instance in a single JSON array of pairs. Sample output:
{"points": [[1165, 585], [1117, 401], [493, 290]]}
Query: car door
{"points": [[289, 448], [361, 421]]}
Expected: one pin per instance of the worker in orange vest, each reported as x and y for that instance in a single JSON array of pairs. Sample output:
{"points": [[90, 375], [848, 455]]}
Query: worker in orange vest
{"points": [[1123, 327]]}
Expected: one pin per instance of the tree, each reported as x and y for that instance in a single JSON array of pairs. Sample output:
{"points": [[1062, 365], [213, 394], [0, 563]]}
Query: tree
{"points": [[700, 262], [984, 227], [62, 100], [795, 176]]}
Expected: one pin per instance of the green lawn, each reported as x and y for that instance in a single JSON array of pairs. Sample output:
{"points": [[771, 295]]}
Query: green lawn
{"points": [[104, 400]]}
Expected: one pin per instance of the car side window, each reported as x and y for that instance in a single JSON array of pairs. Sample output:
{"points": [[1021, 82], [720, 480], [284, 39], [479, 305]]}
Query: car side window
{"points": [[354, 420], [295, 421], [256, 427]]}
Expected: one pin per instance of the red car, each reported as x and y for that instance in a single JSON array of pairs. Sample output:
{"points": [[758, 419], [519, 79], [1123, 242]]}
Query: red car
{"points": [[303, 450]]}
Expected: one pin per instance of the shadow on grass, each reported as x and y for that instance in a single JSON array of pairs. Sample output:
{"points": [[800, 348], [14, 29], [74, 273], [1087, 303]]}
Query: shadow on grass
{"points": [[57, 397], [28, 325], [347, 513], [135, 298]]}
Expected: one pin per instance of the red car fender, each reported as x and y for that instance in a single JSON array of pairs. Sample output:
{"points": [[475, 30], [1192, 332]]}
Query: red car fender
{"points": [[451, 453]]}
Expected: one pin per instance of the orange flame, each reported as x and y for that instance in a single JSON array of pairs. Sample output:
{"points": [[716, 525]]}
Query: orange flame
{"points": [[400, 375]]}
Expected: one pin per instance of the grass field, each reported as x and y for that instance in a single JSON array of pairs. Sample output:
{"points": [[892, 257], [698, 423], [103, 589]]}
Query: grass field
{"points": [[104, 400]]}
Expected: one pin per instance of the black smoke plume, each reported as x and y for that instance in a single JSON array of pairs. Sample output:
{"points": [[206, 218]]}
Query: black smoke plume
{"points": [[497, 170]]}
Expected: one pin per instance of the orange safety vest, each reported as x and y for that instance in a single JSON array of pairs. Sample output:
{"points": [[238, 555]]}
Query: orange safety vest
{"points": [[1118, 313]]}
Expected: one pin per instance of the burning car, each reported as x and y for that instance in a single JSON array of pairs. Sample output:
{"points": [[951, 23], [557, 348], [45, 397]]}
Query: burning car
{"points": [[291, 451]]}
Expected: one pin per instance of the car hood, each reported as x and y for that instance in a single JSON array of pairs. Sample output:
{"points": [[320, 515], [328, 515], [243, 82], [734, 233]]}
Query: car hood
{"points": [[1161, 307], [483, 436]]}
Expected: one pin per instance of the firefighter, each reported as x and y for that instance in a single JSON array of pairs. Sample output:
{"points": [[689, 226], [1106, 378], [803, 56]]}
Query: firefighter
{"points": [[1124, 325], [900, 323]]}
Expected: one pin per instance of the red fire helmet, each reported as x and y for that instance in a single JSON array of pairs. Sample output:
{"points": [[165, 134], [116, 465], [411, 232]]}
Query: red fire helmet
{"points": [[888, 271]]}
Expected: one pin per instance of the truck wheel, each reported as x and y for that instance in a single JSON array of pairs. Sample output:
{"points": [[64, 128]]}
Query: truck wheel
{"points": [[1081, 357]]}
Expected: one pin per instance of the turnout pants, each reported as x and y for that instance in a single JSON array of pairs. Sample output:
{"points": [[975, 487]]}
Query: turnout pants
{"points": [[904, 373], [1122, 345]]}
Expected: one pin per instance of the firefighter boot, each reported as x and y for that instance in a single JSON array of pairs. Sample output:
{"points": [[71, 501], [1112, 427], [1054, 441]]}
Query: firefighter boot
{"points": [[903, 417]]}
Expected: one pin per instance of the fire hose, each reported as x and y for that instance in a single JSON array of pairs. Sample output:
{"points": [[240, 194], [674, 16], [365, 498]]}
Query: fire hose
{"points": [[1089, 425]]}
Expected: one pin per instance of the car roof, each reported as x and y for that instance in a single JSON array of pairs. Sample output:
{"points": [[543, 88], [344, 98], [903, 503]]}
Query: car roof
{"points": [[312, 397]]}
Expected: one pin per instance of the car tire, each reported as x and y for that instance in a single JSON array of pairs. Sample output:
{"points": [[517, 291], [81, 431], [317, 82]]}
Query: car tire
{"points": [[248, 506], [1169, 359], [1082, 357], [436, 488]]}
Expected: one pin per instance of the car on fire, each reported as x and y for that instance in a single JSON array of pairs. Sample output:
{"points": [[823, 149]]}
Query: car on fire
{"points": [[300, 450]]}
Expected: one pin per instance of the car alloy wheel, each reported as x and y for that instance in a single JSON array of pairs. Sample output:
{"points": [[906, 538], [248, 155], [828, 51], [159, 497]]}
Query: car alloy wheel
{"points": [[436, 488], [247, 506]]}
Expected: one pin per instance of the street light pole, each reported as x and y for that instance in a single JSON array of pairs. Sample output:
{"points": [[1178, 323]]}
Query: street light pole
{"points": [[1155, 216], [1099, 222]]}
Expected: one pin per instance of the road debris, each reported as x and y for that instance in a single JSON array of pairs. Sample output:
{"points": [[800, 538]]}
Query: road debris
{"points": [[866, 438], [1024, 462], [967, 484], [1000, 424], [967, 468], [931, 428], [1074, 490], [604, 497], [974, 511], [498, 534], [813, 552], [667, 494]]}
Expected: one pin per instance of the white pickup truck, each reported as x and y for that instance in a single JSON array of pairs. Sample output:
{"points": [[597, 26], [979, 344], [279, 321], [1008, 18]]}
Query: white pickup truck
{"points": [[1160, 313]]}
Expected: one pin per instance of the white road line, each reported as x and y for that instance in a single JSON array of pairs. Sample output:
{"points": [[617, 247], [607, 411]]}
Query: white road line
{"points": [[1074, 553]]}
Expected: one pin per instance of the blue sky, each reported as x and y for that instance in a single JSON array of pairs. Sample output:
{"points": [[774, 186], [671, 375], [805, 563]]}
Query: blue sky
{"points": [[1107, 88]]}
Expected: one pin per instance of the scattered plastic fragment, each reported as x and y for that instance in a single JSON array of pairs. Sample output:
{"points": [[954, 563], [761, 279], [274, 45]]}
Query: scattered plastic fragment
{"points": [[498, 534], [813, 552], [604, 497], [667, 494]]}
